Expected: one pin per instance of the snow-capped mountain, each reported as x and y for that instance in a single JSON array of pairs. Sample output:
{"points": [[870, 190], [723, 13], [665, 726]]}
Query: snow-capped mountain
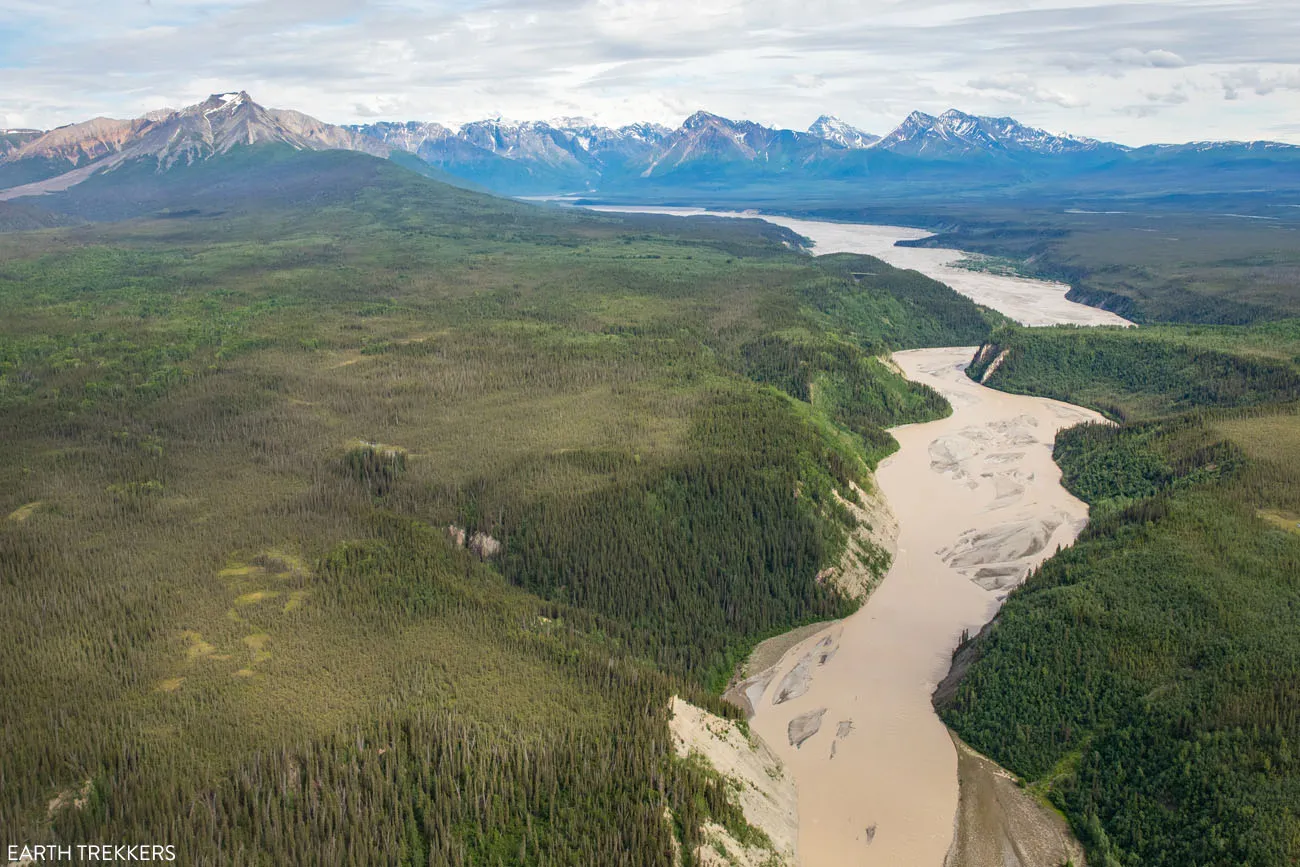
{"points": [[575, 149], [431, 142], [228, 120], [955, 133], [569, 154], [584, 154], [410, 137], [1209, 147], [606, 143], [836, 131], [535, 141], [708, 142], [168, 137]]}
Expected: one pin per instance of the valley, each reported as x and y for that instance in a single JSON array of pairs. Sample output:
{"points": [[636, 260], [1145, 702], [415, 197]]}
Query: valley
{"points": [[350, 513], [230, 469], [979, 505], [1027, 301]]}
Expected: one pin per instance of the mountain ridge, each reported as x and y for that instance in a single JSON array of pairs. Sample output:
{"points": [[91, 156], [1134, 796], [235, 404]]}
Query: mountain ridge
{"points": [[575, 154], [68, 155]]}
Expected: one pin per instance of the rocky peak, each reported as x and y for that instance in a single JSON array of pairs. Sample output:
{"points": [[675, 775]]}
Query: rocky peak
{"points": [[702, 119], [193, 134], [221, 102], [832, 129], [956, 133]]}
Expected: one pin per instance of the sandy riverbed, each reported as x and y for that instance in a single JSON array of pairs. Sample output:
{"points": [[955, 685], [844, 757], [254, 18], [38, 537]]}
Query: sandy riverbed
{"points": [[979, 504], [1030, 302]]}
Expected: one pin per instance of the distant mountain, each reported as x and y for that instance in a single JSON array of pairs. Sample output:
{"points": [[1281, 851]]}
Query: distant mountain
{"points": [[836, 131], [923, 155], [415, 137], [615, 150], [12, 139], [568, 153], [228, 120], [80, 142], [957, 134], [535, 142], [36, 157], [706, 143], [1220, 147], [70, 155], [575, 154]]}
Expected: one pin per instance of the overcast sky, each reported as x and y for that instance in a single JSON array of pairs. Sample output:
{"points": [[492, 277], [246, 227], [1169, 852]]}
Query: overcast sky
{"points": [[1135, 72]]}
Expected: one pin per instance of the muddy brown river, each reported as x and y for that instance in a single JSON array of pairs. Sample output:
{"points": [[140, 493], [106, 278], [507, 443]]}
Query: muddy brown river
{"points": [[979, 504]]}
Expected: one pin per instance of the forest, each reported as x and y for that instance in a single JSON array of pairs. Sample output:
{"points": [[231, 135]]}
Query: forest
{"points": [[1225, 256], [1150, 674], [372, 516], [1155, 371]]}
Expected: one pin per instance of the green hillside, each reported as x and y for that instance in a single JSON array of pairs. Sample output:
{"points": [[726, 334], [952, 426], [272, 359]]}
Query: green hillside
{"points": [[1229, 259], [1153, 371], [1147, 679], [233, 438], [1226, 257]]}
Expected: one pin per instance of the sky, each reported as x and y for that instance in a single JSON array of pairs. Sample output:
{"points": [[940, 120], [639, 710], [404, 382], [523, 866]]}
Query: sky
{"points": [[1132, 72]]}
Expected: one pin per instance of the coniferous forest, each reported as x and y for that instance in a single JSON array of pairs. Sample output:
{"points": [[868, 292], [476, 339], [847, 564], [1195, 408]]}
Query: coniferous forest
{"points": [[373, 521], [1149, 676], [351, 518]]}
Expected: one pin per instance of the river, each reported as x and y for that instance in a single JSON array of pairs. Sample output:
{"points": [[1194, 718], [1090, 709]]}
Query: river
{"points": [[979, 504], [1029, 302]]}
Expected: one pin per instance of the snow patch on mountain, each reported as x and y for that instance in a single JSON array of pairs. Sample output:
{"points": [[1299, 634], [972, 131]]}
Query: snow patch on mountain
{"points": [[955, 133], [222, 101], [198, 132], [836, 131]]}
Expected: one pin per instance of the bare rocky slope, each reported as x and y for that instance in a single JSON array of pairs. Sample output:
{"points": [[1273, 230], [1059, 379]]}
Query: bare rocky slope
{"points": [[66, 156]]}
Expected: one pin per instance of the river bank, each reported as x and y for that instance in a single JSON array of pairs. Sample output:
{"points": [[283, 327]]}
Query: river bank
{"points": [[1028, 301], [979, 504], [847, 706]]}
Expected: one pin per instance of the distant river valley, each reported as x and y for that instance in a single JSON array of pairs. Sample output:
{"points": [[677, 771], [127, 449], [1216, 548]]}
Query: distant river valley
{"points": [[1029, 302]]}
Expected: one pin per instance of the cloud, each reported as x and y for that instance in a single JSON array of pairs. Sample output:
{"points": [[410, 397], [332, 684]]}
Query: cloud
{"points": [[1158, 58], [1177, 95], [1061, 64], [1139, 111], [807, 81], [1021, 88], [1256, 81], [1158, 101]]}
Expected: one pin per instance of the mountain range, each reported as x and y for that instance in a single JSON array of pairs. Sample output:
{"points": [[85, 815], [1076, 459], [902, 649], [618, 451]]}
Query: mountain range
{"points": [[63, 157], [574, 155]]}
